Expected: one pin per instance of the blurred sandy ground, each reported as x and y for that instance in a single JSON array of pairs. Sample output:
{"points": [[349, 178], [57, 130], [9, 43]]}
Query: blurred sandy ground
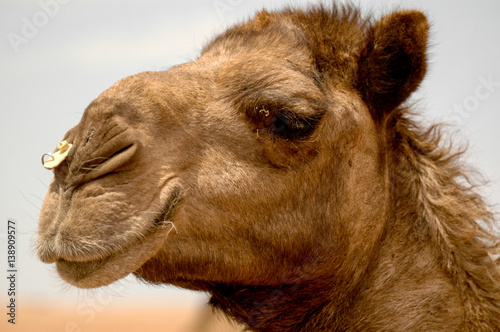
{"points": [[51, 317]]}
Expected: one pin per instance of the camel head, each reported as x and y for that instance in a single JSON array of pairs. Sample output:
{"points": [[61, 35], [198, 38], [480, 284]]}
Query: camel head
{"points": [[261, 163]]}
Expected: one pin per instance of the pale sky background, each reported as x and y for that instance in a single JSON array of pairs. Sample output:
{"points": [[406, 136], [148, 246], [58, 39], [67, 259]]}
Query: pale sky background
{"points": [[84, 47]]}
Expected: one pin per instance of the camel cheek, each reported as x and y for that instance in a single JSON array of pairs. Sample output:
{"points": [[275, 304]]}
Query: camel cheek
{"points": [[220, 173]]}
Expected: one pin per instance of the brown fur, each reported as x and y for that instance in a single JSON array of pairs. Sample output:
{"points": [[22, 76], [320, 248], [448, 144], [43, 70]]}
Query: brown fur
{"points": [[303, 194]]}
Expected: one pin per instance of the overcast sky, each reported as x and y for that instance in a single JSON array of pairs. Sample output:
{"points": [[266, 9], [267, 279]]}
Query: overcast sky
{"points": [[56, 60]]}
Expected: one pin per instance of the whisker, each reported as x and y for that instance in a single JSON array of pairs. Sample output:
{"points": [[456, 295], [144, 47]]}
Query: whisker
{"points": [[27, 200], [87, 168], [44, 184], [95, 159], [85, 165], [166, 222], [41, 199]]}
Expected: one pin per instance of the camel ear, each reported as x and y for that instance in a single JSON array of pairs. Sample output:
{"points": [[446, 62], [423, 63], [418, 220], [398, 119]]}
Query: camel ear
{"points": [[393, 62]]}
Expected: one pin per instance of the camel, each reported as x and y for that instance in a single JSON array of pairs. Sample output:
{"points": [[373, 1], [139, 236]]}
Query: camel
{"points": [[284, 172]]}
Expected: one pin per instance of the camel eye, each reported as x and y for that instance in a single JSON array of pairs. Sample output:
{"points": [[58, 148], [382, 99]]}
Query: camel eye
{"points": [[289, 122], [288, 125], [280, 124]]}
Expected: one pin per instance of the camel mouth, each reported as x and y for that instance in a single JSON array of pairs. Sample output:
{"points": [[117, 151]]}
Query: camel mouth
{"points": [[103, 271]]}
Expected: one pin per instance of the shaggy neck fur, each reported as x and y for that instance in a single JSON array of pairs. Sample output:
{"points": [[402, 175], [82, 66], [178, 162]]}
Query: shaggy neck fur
{"points": [[433, 253], [454, 217]]}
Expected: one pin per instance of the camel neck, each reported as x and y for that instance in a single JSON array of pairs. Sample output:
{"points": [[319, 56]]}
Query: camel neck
{"points": [[284, 308]]}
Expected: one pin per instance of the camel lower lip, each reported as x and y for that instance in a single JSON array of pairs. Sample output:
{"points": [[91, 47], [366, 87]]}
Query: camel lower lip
{"points": [[102, 272], [79, 270]]}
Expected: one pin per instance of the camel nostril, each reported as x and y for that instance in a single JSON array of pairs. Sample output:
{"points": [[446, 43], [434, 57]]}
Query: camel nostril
{"points": [[99, 166]]}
